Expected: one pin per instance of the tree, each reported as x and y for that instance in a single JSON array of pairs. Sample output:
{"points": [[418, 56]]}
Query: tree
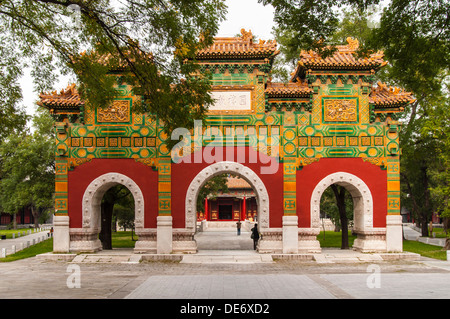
{"points": [[356, 22], [28, 166], [414, 37], [416, 166], [437, 126], [311, 24], [12, 115], [115, 195], [148, 41], [337, 204]]}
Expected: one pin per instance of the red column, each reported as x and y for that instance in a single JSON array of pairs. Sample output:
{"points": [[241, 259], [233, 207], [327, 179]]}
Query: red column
{"points": [[244, 208], [206, 209]]}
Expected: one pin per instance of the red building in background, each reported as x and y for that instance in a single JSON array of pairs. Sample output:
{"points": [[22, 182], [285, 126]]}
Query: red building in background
{"points": [[239, 203], [23, 216]]}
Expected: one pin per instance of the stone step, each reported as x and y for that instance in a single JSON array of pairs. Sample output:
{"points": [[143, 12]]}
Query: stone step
{"points": [[226, 259], [100, 258]]}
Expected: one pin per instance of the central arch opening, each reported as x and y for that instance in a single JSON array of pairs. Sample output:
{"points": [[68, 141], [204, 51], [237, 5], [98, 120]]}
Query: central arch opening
{"points": [[226, 213], [260, 216]]}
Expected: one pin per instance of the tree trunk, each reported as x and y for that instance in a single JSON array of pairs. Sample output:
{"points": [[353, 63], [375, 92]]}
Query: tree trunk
{"points": [[110, 198], [426, 208], [446, 223], [339, 193], [35, 213], [106, 220], [424, 226]]}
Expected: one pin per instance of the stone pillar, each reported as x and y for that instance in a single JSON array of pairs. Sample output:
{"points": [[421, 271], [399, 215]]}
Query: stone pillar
{"points": [[290, 234], [61, 237], [394, 233], [164, 234], [204, 225]]}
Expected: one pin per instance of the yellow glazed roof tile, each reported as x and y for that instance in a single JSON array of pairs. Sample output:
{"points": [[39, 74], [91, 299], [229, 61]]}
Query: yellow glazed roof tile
{"points": [[344, 58], [290, 89], [384, 96], [66, 98], [239, 47]]}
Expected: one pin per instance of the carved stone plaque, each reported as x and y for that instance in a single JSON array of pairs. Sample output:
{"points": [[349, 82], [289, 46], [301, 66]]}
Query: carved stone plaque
{"points": [[231, 101], [340, 110], [118, 112]]}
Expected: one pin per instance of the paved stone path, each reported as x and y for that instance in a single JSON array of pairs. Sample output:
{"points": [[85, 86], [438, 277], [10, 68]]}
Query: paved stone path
{"points": [[226, 274], [223, 239]]}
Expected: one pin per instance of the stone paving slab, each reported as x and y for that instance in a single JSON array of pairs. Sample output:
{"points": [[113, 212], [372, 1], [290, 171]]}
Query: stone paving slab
{"points": [[290, 286], [278, 286], [225, 259], [32, 277], [393, 286]]}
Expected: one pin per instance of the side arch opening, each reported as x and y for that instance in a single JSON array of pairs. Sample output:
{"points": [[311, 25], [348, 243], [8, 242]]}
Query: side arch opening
{"points": [[86, 238], [368, 238]]}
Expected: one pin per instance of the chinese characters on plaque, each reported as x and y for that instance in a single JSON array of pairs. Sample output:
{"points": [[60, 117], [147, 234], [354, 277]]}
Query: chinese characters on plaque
{"points": [[231, 101]]}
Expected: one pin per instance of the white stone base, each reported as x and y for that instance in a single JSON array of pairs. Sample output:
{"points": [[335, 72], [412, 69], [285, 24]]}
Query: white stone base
{"points": [[184, 247], [307, 241], [183, 241], [147, 241], [163, 234], [370, 241], [61, 237], [290, 234], [271, 241], [84, 240], [85, 246], [145, 247], [394, 233]]}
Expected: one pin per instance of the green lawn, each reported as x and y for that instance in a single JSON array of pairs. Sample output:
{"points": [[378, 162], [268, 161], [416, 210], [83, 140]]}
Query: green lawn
{"points": [[332, 239], [40, 248], [119, 240], [425, 250], [122, 239], [9, 232], [439, 232]]}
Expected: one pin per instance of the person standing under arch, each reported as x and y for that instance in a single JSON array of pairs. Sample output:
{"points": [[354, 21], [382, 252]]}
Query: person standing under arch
{"points": [[255, 236]]}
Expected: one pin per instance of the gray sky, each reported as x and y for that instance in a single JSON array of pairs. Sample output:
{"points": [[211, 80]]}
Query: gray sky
{"points": [[250, 15], [247, 14]]}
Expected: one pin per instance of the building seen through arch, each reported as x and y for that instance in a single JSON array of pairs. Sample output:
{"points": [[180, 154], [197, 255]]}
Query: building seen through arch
{"points": [[237, 204]]}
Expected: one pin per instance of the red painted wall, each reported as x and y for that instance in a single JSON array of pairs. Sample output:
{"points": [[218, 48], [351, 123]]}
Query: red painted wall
{"points": [[184, 173], [145, 177], [374, 177]]}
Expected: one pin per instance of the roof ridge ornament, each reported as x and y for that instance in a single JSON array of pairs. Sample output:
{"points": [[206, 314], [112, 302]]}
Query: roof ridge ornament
{"points": [[247, 35], [353, 44]]}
